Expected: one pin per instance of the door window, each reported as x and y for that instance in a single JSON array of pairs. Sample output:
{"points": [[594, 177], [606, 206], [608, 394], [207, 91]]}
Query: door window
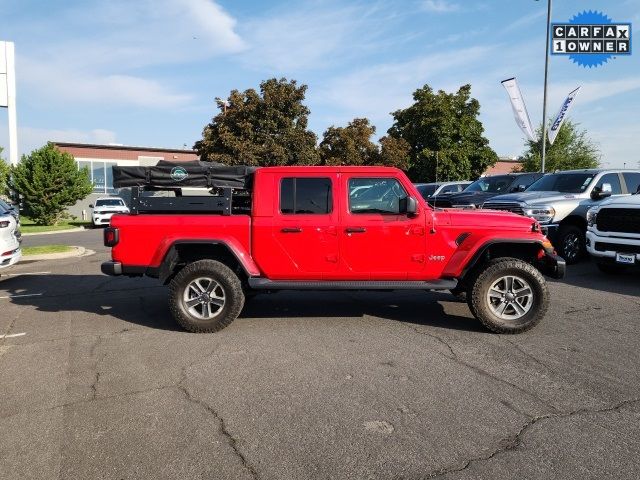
{"points": [[613, 180], [376, 195], [632, 179], [305, 195]]}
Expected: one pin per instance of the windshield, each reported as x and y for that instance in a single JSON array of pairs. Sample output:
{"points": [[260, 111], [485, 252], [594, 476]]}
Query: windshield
{"points": [[497, 184], [562, 182], [426, 190], [111, 202]]}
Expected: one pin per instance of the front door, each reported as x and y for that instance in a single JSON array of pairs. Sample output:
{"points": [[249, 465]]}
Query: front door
{"points": [[378, 242]]}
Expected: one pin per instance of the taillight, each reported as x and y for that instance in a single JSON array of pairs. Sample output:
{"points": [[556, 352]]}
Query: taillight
{"points": [[4, 224], [111, 236]]}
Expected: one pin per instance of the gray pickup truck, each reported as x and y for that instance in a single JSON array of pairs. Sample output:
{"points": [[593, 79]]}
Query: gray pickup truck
{"points": [[560, 201]]}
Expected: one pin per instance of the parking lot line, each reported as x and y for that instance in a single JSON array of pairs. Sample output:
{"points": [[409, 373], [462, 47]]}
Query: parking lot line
{"points": [[24, 295], [13, 335], [25, 273]]}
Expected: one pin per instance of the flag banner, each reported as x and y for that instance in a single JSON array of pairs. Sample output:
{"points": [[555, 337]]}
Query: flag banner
{"points": [[519, 108], [562, 114]]}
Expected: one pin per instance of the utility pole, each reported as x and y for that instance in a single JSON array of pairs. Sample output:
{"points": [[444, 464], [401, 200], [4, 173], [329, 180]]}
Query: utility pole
{"points": [[8, 95], [544, 101]]}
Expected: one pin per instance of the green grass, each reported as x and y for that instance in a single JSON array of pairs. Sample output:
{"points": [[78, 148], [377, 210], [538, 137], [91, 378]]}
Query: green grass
{"points": [[42, 249], [28, 226]]}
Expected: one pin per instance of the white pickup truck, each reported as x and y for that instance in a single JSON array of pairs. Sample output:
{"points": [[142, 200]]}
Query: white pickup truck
{"points": [[613, 233]]}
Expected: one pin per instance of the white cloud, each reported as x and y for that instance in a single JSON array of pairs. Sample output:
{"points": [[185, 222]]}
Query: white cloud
{"points": [[318, 37], [118, 39], [31, 138], [376, 91], [58, 84], [440, 6]]}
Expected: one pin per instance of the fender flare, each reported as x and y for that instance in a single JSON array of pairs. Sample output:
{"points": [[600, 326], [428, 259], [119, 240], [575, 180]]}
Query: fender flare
{"points": [[482, 250], [170, 257]]}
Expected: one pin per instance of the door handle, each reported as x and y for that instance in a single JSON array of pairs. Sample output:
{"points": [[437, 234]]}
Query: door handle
{"points": [[355, 230], [291, 230]]}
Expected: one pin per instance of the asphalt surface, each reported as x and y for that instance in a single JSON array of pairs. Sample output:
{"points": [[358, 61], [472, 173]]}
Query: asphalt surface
{"points": [[312, 385]]}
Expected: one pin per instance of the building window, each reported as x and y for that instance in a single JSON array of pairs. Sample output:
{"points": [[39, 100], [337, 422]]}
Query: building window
{"points": [[100, 174]]}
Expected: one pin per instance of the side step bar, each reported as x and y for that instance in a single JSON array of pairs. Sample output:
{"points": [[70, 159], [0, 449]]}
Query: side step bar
{"points": [[265, 284]]}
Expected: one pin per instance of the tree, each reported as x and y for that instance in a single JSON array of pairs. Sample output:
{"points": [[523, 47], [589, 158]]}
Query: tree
{"points": [[444, 135], [572, 149], [48, 181], [263, 129], [394, 152], [4, 176], [350, 145]]}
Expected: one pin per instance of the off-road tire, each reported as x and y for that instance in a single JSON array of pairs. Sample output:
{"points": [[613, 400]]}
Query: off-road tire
{"points": [[567, 249], [225, 277], [610, 269], [484, 278]]}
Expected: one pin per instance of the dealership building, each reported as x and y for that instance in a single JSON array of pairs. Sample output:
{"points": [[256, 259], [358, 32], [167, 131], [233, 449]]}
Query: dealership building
{"points": [[100, 159]]}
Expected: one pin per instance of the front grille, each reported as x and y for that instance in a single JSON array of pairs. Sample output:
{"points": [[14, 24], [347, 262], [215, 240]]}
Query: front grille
{"points": [[626, 220], [506, 206], [617, 247]]}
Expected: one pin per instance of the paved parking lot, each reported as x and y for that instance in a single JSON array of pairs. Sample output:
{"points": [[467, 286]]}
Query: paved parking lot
{"points": [[97, 382]]}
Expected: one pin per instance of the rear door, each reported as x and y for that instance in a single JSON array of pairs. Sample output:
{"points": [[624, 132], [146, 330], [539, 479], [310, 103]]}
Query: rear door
{"points": [[377, 242], [304, 234]]}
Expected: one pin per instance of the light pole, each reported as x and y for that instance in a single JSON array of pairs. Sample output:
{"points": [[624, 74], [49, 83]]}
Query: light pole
{"points": [[544, 101]]}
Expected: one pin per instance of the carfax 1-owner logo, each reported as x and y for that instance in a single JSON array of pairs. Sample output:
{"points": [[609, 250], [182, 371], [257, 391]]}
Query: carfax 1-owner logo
{"points": [[591, 39]]}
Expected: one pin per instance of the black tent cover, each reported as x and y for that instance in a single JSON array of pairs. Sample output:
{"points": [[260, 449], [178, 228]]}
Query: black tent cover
{"points": [[195, 173]]}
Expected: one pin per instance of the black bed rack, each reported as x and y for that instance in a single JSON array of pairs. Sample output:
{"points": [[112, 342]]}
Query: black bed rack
{"points": [[223, 201]]}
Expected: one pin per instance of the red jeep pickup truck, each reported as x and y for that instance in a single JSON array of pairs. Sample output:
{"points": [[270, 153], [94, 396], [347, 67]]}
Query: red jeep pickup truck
{"points": [[325, 228]]}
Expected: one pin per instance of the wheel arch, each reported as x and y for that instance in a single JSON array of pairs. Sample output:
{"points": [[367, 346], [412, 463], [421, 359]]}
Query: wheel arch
{"points": [[183, 252], [575, 220]]}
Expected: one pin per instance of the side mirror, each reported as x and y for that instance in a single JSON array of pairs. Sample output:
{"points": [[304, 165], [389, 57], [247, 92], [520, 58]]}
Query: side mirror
{"points": [[412, 206], [599, 193]]}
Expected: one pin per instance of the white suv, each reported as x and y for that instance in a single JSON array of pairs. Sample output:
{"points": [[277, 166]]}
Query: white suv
{"points": [[10, 252], [613, 233], [105, 208]]}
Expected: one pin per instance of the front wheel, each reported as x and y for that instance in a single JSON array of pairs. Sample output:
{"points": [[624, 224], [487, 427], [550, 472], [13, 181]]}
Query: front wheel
{"points": [[508, 296], [571, 243], [205, 296]]}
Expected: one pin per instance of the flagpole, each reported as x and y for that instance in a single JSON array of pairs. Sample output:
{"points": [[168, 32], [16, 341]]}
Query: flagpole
{"points": [[544, 101]]}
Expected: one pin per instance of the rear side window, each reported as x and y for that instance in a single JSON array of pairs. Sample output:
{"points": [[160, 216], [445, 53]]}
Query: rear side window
{"points": [[305, 195], [632, 179], [613, 180]]}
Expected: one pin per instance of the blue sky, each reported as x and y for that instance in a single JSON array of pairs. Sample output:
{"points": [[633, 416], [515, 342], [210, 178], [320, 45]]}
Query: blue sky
{"points": [[145, 72]]}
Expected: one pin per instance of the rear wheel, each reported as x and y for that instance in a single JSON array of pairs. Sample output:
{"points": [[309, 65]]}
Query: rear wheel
{"points": [[571, 243], [508, 295], [205, 296]]}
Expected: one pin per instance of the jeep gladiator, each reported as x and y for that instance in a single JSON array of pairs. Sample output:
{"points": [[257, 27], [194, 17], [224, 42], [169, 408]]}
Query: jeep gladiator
{"points": [[332, 228]]}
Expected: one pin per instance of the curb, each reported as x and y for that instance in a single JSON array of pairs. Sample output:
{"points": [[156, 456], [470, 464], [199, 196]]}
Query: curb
{"points": [[76, 252], [68, 230]]}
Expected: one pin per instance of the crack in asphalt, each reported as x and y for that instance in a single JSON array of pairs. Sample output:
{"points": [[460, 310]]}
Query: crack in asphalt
{"points": [[454, 356], [514, 441], [529, 355], [231, 440]]}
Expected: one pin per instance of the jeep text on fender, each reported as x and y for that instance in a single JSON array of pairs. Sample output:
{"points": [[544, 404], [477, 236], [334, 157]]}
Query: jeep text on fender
{"points": [[323, 228]]}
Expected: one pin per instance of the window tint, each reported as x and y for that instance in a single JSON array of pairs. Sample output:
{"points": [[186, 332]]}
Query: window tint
{"points": [[613, 180], [427, 190], [381, 195], [632, 179], [562, 182], [497, 184], [305, 195], [449, 189], [110, 202]]}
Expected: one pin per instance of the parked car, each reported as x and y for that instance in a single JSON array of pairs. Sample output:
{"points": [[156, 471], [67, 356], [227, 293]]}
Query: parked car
{"points": [[613, 233], [105, 208], [438, 189], [304, 230], [6, 207], [10, 252], [560, 201], [487, 187]]}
